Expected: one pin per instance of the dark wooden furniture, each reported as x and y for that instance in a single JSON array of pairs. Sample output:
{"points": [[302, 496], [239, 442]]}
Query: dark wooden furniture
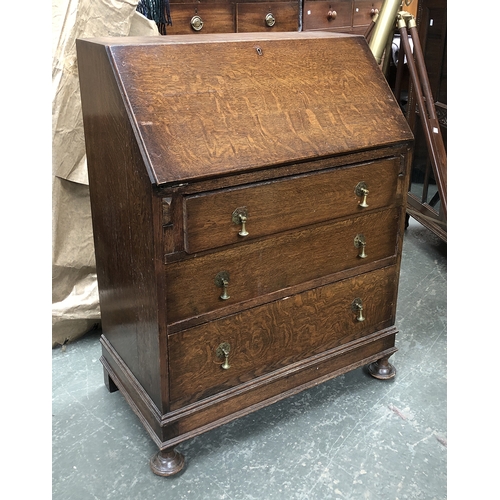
{"points": [[424, 203], [348, 16], [247, 195], [239, 16]]}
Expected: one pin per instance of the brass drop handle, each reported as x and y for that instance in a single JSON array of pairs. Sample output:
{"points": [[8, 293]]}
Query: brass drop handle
{"points": [[361, 190], [240, 216], [243, 231], [223, 352], [222, 281], [270, 20], [332, 15], [196, 23], [374, 12], [360, 243], [357, 307]]}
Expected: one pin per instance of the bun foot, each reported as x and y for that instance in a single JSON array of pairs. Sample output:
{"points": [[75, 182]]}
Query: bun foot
{"points": [[167, 462], [382, 369]]}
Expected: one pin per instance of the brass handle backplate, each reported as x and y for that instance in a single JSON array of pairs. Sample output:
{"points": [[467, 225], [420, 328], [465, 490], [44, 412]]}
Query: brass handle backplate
{"points": [[223, 352], [222, 281], [240, 216], [357, 307], [361, 190], [332, 15], [360, 243], [196, 23], [270, 20]]}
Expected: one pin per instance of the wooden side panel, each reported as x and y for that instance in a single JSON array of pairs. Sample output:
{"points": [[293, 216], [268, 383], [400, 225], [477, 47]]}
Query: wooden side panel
{"points": [[275, 335], [123, 218]]}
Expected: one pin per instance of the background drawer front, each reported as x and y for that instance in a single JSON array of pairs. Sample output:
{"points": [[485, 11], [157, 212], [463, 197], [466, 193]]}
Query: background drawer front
{"points": [[216, 17], [252, 16], [286, 204], [364, 11], [277, 263], [315, 15], [276, 335]]}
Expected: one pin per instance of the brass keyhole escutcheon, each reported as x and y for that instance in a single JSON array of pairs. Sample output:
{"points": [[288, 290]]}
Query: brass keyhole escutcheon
{"points": [[360, 243], [223, 352], [240, 216], [196, 23], [222, 281], [357, 307], [361, 190], [270, 20]]}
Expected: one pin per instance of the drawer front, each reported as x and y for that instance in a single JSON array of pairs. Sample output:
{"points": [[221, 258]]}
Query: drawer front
{"points": [[273, 264], [264, 16], [327, 15], [272, 207], [364, 10], [275, 335], [197, 17]]}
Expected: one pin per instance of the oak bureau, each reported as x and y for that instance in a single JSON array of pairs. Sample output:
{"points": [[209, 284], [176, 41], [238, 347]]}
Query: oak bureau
{"points": [[247, 195]]}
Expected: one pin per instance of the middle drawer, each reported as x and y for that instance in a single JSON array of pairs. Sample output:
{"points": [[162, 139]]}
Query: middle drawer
{"points": [[195, 287]]}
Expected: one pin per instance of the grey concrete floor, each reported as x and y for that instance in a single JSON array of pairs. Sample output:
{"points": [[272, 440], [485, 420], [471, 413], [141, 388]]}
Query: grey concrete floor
{"points": [[353, 437]]}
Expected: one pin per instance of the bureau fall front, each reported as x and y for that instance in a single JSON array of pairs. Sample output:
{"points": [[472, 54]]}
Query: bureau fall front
{"points": [[247, 195]]}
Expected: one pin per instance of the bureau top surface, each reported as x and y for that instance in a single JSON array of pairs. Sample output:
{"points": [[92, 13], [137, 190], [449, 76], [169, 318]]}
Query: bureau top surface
{"points": [[208, 105]]}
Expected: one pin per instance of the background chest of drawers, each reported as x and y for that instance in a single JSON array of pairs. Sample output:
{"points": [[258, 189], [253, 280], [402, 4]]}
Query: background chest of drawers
{"points": [[350, 16], [248, 219], [228, 16]]}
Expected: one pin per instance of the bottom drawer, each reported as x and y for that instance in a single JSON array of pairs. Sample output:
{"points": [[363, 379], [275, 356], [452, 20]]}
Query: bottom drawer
{"points": [[278, 334]]}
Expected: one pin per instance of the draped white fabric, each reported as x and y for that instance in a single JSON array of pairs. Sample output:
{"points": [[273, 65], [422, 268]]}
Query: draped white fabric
{"points": [[75, 302]]}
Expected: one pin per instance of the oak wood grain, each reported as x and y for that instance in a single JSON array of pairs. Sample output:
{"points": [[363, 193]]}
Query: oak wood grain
{"points": [[262, 100]]}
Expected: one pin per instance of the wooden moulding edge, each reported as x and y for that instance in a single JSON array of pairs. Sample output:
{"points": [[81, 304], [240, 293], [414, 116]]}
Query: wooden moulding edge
{"points": [[128, 386]]}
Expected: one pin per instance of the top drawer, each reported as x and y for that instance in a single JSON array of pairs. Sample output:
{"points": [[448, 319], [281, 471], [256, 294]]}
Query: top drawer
{"points": [[214, 219], [264, 16], [327, 15], [364, 11], [199, 17]]}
